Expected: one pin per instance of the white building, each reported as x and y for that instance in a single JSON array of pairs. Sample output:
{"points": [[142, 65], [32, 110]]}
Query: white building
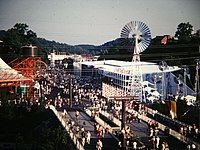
{"points": [[116, 78]]}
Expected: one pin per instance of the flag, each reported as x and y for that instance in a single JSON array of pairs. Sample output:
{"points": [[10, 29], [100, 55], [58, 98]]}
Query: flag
{"points": [[164, 40], [173, 110]]}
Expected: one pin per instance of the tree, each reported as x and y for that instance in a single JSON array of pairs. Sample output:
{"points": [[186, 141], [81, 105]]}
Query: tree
{"points": [[16, 37], [69, 62], [31, 34], [184, 32], [20, 28]]}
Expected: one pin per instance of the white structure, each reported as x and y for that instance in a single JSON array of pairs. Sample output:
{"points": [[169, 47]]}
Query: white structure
{"points": [[117, 76], [7, 74], [141, 36], [59, 56], [53, 57]]}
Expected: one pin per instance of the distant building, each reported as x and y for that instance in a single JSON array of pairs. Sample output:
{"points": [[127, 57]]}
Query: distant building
{"points": [[57, 57]]}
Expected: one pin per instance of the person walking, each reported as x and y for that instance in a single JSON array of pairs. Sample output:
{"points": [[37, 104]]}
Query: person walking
{"points": [[154, 142], [99, 145], [151, 132], [134, 145], [157, 141], [76, 114], [163, 146], [88, 137], [83, 141]]}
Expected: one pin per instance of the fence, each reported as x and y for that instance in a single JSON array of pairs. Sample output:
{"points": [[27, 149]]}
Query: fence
{"points": [[115, 120], [72, 135], [102, 123]]}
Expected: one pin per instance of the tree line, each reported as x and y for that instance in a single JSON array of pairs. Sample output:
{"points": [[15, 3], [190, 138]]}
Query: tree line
{"points": [[20, 35]]}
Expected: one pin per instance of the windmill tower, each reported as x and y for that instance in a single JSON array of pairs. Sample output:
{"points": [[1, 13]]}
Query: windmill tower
{"points": [[140, 35]]}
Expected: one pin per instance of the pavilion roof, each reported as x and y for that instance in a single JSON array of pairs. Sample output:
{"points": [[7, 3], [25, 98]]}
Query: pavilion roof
{"points": [[7, 74]]}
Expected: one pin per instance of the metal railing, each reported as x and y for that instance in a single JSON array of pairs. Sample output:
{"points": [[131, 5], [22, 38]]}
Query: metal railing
{"points": [[72, 135]]}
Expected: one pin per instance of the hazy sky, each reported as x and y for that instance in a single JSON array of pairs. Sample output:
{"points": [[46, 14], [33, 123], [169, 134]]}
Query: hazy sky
{"points": [[96, 21]]}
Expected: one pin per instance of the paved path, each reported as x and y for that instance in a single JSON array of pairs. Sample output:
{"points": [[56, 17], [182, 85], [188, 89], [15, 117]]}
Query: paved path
{"points": [[83, 120], [141, 130]]}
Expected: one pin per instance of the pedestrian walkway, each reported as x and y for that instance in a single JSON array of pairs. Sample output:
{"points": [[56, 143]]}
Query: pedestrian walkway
{"points": [[141, 130], [83, 120], [171, 125]]}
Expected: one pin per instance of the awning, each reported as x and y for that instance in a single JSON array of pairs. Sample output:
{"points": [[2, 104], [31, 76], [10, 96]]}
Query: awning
{"points": [[7, 74]]}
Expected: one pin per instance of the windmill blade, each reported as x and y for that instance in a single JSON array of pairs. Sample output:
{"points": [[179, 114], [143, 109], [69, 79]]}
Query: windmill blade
{"points": [[125, 31], [140, 30]]}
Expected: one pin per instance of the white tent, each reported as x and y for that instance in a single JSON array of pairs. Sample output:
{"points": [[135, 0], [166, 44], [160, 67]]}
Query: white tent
{"points": [[7, 74]]}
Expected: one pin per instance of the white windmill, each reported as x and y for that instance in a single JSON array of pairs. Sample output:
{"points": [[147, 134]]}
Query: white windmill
{"points": [[141, 36]]}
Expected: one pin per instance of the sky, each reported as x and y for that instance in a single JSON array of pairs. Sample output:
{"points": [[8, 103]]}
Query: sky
{"points": [[96, 21]]}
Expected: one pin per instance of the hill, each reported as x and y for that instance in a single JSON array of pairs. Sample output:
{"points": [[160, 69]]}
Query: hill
{"points": [[10, 48]]}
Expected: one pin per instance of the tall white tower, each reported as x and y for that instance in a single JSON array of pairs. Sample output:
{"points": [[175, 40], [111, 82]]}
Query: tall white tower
{"points": [[140, 35]]}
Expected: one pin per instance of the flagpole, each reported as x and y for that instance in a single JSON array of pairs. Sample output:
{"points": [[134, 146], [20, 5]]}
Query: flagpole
{"points": [[185, 80]]}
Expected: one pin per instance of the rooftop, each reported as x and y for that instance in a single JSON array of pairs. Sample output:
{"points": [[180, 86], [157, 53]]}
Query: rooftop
{"points": [[125, 66]]}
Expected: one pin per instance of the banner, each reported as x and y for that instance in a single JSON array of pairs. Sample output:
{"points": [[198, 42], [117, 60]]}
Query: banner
{"points": [[173, 110]]}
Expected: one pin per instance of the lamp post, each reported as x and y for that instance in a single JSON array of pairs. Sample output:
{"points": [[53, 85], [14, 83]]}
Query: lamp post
{"points": [[185, 79], [70, 90]]}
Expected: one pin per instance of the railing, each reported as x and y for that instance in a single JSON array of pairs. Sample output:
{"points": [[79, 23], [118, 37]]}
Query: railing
{"points": [[152, 112], [113, 119], [102, 123], [72, 135]]}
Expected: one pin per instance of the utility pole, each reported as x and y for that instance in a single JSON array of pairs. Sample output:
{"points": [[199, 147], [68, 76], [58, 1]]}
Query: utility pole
{"points": [[70, 91], [185, 79], [197, 85], [123, 122]]}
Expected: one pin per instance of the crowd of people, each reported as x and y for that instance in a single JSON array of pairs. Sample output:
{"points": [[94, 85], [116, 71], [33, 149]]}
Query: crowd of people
{"points": [[154, 136], [80, 132], [88, 89], [191, 131]]}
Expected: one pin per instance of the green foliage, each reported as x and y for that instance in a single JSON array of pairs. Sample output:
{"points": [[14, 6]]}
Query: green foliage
{"points": [[184, 32], [20, 28], [35, 129], [15, 38]]}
